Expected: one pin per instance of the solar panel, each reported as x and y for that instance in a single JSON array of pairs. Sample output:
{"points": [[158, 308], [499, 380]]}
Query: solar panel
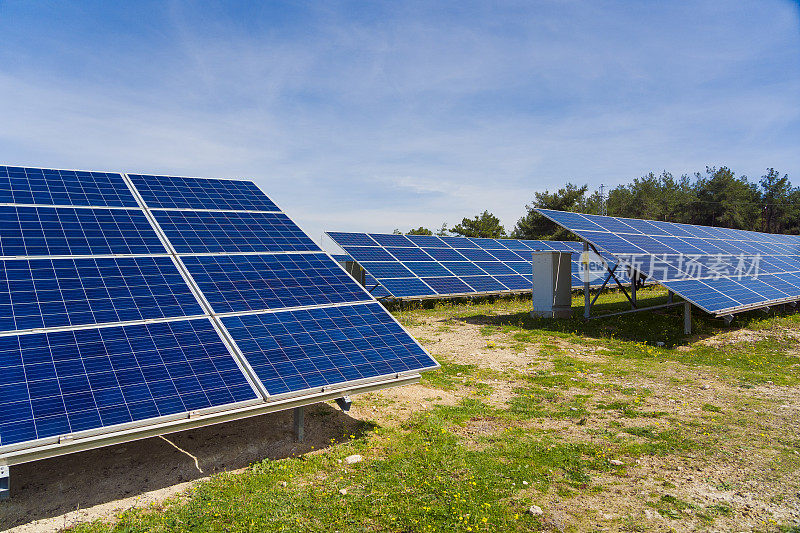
{"points": [[20, 185], [65, 382], [216, 232], [248, 282], [296, 350], [30, 231], [374, 287], [200, 193], [48, 293], [414, 266], [112, 314], [717, 269]]}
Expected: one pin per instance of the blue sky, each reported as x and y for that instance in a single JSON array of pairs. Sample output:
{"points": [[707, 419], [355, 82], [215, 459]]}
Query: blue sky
{"points": [[367, 116]]}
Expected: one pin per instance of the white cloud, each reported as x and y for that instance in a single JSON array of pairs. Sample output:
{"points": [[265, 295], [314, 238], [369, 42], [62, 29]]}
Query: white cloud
{"points": [[416, 114]]}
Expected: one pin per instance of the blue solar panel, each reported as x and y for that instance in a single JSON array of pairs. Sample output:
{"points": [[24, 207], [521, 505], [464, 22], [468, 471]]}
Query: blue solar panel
{"points": [[200, 193], [292, 351], [721, 270], [484, 283], [464, 268], [374, 287], [448, 285], [459, 243], [254, 282], [508, 255], [477, 255], [427, 241], [420, 257], [373, 253], [45, 293], [392, 269], [496, 267], [28, 231], [242, 259], [214, 232], [444, 254], [426, 268], [63, 382], [352, 239], [20, 185], [391, 240], [407, 287], [409, 254], [514, 244], [515, 282]]}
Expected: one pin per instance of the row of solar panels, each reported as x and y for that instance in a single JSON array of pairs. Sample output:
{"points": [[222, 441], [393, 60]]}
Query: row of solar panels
{"points": [[414, 266], [720, 270], [127, 300]]}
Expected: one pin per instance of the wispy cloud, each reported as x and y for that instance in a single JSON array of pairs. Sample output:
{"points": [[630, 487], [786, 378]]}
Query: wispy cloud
{"points": [[383, 115]]}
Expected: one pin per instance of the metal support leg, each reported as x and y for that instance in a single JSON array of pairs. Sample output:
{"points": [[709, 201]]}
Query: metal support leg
{"points": [[687, 318], [633, 289], [344, 403], [728, 319], [5, 483], [670, 296], [587, 302], [299, 423]]}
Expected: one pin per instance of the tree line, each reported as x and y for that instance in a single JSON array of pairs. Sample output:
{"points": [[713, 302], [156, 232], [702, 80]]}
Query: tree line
{"points": [[717, 197]]}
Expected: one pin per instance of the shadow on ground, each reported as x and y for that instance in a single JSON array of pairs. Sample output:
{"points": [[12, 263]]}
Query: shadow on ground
{"points": [[53, 487], [657, 326]]}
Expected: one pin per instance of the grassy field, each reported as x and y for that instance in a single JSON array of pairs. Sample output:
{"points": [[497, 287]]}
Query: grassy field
{"points": [[620, 424]]}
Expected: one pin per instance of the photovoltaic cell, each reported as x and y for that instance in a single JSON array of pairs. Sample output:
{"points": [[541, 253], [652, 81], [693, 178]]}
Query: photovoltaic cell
{"points": [[255, 282], [230, 232], [292, 351], [20, 185], [200, 193], [63, 382], [46, 293], [30, 231]]}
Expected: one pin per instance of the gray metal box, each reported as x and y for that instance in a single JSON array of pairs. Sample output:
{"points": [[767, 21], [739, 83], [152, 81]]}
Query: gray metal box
{"points": [[552, 284]]}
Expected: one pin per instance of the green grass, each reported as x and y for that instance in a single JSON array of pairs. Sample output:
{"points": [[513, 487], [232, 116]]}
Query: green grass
{"points": [[479, 464], [639, 336], [419, 478]]}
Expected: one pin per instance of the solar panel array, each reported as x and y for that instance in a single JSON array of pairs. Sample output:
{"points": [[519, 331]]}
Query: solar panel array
{"points": [[415, 266], [720, 270], [125, 299]]}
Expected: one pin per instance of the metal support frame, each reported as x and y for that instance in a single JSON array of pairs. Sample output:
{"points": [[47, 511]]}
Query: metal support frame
{"points": [[5, 483], [587, 304], [344, 403], [687, 318], [299, 423], [634, 275]]}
